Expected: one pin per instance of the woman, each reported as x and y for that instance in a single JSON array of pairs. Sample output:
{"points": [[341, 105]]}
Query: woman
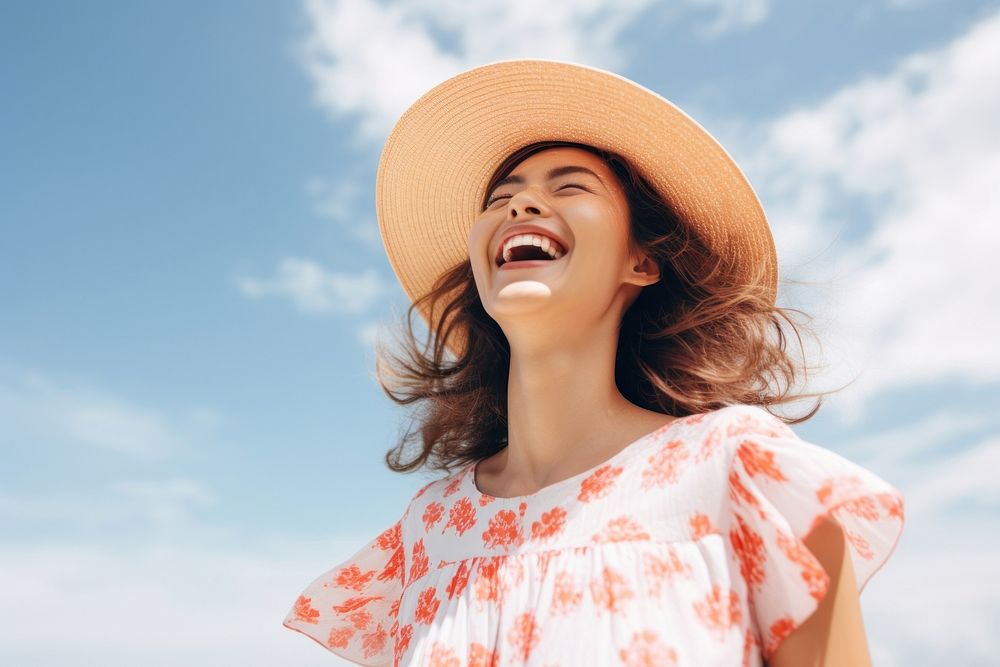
{"points": [[599, 282]]}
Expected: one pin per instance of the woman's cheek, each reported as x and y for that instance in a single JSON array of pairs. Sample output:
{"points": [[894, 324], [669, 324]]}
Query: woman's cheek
{"points": [[478, 243]]}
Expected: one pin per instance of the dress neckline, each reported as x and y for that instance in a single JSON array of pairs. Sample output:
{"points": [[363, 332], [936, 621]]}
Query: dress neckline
{"points": [[618, 457]]}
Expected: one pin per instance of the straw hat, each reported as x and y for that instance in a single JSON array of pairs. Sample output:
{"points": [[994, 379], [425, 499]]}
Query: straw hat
{"points": [[439, 157]]}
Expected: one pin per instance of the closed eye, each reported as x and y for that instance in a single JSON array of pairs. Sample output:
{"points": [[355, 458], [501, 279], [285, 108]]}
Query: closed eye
{"points": [[497, 197]]}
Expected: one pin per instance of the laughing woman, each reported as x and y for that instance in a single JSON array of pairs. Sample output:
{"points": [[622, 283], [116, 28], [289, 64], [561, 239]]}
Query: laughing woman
{"points": [[603, 346]]}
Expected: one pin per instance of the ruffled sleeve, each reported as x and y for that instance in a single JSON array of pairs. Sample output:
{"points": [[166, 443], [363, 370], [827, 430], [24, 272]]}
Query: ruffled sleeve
{"points": [[780, 488], [351, 609]]}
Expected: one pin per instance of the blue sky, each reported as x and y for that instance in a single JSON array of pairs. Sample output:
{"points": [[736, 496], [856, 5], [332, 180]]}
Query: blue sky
{"points": [[191, 279]]}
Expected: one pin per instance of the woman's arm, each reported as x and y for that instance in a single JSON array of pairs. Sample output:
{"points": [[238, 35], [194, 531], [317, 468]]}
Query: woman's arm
{"points": [[834, 636]]}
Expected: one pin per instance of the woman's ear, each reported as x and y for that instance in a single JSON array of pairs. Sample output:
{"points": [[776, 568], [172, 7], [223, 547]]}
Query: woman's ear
{"points": [[643, 270]]}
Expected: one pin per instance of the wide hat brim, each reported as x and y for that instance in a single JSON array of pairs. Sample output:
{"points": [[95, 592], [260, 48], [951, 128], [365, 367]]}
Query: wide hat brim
{"points": [[438, 159]]}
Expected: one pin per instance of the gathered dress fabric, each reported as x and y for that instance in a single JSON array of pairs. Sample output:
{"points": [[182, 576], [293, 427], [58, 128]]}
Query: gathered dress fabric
{"points": [[684, 548]]}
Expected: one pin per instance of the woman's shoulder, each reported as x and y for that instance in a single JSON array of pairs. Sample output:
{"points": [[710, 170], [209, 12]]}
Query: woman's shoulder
{"points": [[733, 424]]}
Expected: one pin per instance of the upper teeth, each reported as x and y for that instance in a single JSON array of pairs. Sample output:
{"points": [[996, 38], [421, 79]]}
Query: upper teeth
{"points": [[543, 242]]}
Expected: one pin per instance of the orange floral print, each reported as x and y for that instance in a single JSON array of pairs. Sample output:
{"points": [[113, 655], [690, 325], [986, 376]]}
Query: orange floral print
{"points": [[646, 649], [809, 568], [352, 577], [758, 461], [772, 428], [459, 580], [487, 584], [748, 546], [461, 516], [427, 605], [374, 642], [485, 499], [524, 635], [402, 643], [544, 558], [710, 444], [739, 493], [749, 643], [610, 590], [549, 524], [512, 570], [689, 420], [390, 538], [442, 656], [566, 595], [504, 530], [622, 529], [420, 564], [892, 504], [452, 486], [599, 483], [719, 611], [664, 466], [848, 492], [777, 633], [480, 656], [701, 525], [432, 514], [350, 604], [340, 637], [861, 545], [360, 619], [304, 610], [395, 566], [862, 507], [662, 571], [423, 489]]}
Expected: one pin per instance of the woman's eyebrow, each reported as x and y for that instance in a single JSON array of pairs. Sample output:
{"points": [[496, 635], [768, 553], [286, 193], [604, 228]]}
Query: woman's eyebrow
{"points": [[553, 173]]}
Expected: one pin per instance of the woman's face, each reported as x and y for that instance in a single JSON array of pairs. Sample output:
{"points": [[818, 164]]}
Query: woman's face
{"points": [[572, 197]]}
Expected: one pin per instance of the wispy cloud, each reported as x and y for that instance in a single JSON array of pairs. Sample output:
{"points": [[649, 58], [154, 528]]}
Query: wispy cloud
{"points": [[937, 601], [146, 508], [37, 407], [340, 201], [730, 15], [897, 174], [370, 60], [116, 607], [315, 290]]}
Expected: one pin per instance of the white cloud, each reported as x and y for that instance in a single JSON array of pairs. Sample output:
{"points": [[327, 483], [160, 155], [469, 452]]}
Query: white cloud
{"points": [[371, 60], [932, 437], [368, 334], [966, 477], [340, 201], [315, 290], [919, 150], [35, 407], [148, 508], [936, 601], [159, 605], [732, 15], [167, 503]]}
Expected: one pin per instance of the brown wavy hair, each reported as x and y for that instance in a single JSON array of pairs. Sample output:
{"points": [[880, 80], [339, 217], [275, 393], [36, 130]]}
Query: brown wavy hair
{"points": [[690, 343]]}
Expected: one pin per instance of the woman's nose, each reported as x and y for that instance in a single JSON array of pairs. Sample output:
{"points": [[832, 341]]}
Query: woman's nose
{"points": [[526, 202]]}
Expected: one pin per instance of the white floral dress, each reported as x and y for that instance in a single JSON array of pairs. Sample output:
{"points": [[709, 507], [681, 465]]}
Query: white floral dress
{"points": [[684, 548]]}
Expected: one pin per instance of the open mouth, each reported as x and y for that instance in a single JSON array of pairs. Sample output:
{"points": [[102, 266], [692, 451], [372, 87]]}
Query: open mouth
{"points": [[529, 250]]}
